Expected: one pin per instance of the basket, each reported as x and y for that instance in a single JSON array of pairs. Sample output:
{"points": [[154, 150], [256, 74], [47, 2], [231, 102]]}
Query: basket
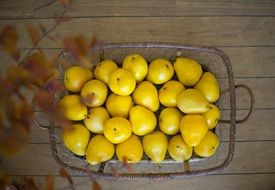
{"points": [[211, 59]]}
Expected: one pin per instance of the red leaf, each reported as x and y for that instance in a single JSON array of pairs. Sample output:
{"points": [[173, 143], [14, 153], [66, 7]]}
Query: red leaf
{"points": [[64, 3], [96, 185], [78, 45], [64, 173], [49, 182], [8, 39], [45, 101], [54, 86], [33, 33]]}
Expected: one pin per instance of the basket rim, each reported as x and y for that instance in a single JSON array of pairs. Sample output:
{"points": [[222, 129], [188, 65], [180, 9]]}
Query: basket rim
{"points": [[171, 175]]}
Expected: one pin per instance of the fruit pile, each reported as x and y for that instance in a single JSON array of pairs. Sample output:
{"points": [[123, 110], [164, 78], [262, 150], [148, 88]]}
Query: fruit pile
{"points": [[140, 107]]}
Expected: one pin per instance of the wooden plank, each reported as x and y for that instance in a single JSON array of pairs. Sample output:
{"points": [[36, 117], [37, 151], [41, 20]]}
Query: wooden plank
{"points": [[249, 157], [214, 31], [86, 8], [246, 61], [225, 182]]}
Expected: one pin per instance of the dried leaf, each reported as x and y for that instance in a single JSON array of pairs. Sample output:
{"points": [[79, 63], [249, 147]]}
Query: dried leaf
{"points": [[65, 174], [33, 34], [78, 46], [45, 101], [64, 3], [54, 86], [96, 185], [49, 182], [8, 39]]}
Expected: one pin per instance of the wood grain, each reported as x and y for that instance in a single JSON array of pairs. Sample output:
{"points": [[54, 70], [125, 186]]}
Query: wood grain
{"points": [[213, 31], [93, 8], [35, 159]]}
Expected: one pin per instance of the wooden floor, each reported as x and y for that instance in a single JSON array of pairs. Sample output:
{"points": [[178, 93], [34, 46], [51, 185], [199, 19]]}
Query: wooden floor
{"points": [[244, 29]]}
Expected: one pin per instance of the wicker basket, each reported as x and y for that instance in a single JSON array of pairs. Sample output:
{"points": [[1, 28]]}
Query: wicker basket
{"points": [[211, 59]]}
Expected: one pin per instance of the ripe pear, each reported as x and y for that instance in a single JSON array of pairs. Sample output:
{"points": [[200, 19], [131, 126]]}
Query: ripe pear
{"points": [[99, 150], [76, 138], [169, 92], [146, 95], [160, 71], [73, 108], [94, 93], [143, 120], [178, 149], [212, 116], [137, 65], [209, 87], [122, 82], [188, 71], [95, 119], [130, 150], [75, 77], [208, 145], [119, 106], [193, 129], [104, 69], [192, 101], [169, 121], [155, 145]]}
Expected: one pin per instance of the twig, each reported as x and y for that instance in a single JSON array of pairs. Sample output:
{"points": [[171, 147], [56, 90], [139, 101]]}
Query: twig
{"points": [[43, 6], [44, 35]]}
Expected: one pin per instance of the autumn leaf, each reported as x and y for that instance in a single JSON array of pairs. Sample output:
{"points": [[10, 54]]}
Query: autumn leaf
{"points": [[33, 34], [64, 3], [96, 185], [65, 174], [54, 86], [8, 39], [49, 181], [45, 101], [78, 46]]}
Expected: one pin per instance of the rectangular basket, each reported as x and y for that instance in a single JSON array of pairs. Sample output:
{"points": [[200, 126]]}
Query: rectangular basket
{"points": [[211, 59]]}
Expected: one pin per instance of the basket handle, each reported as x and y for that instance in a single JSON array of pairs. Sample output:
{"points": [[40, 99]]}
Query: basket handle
{"points": [[38, 124], [252, 103]]}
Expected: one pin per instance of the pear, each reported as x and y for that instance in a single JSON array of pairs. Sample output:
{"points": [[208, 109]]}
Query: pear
{"points": [[146, 95], [209, 87], [193, 129], [178, 149], [208, 145], [155, 145], [143, 120], [192, 101], [212, 116], [188, 71]]}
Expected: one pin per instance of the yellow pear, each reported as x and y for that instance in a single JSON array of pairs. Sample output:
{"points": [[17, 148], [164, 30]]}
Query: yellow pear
{"points": [[99, 150], [76, 138], [94, 93], [155, 145], [104, 69], [119, 106], [208, 145], [137, 65], [75, 77], [178, 149], [160, 71], [169, 92], [169, 121], [73, 108], [212, 116], [143, 121], [130, 150], [193, 129], [209, 87], [146, 95], [96, 118], [188, 71], [122, 82], [117, 129], [191, 101]]}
